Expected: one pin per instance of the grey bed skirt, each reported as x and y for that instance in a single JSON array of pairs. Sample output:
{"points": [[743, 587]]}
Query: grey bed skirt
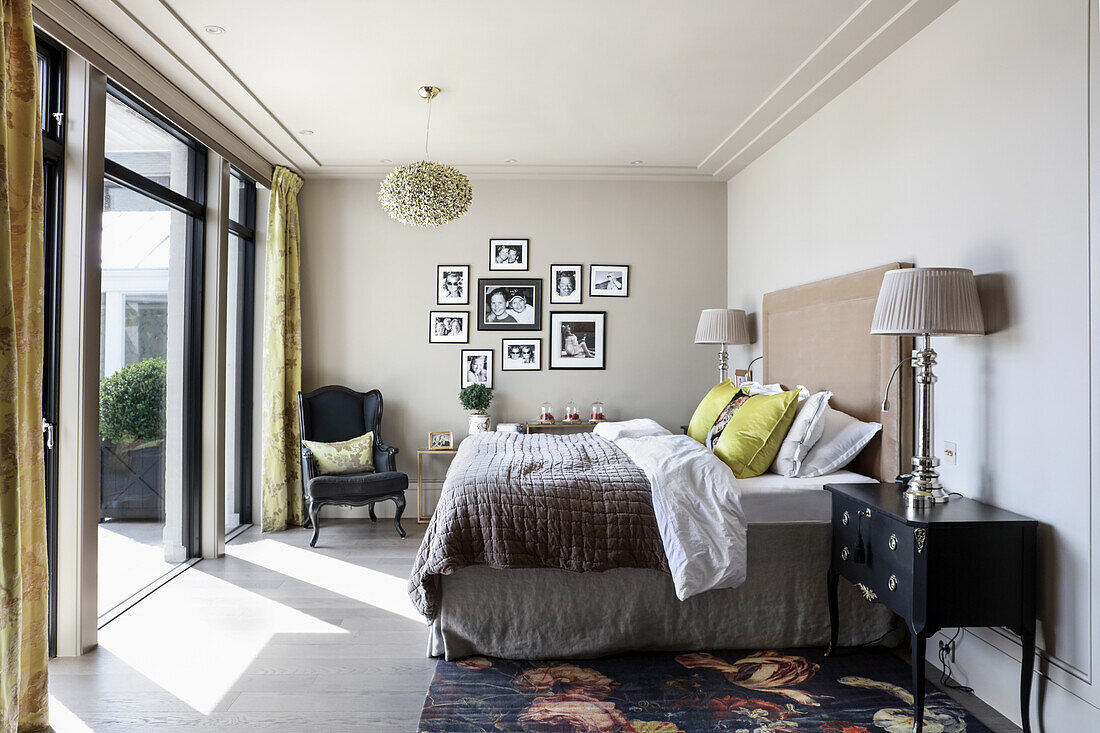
{"points": [[544, 613]]}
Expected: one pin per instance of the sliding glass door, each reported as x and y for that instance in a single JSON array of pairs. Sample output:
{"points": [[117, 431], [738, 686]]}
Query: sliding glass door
{"points": [[150, 336]]}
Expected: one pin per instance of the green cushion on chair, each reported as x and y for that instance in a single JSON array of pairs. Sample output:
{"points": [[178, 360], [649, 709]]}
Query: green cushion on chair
{"points": [[346, 456]]}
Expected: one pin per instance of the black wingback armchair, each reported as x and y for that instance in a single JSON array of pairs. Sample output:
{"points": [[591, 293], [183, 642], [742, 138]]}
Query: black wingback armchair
{"points": [[336, 413]]}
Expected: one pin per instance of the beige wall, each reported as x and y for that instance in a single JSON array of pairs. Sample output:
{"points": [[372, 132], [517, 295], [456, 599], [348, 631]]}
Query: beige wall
{"points": [[969, 147], [369, 282]]}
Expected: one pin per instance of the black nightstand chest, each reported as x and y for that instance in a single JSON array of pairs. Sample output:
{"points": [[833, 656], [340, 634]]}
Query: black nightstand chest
{"points": [[962, 563]]}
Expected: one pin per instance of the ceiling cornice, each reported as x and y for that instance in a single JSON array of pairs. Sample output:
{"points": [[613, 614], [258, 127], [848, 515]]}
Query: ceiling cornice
{"points": [[870, 34], [875, 30]]}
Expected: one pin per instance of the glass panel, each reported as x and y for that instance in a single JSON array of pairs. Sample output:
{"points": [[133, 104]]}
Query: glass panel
{"points": [[141, 506], [43, 91], [142, 146], [238, 199], [233, 397]]}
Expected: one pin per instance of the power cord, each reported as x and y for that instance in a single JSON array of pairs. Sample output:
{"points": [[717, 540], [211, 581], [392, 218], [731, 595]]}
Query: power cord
{"points": [[946, 672], [892, 629]]}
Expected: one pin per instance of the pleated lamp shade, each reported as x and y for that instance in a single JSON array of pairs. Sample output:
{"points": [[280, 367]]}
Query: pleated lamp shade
{"points": [[937, 301], [722, 326]]}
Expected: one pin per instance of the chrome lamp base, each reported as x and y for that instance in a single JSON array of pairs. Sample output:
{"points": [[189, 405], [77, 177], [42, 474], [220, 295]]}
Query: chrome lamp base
{"points": [[924, 486]]}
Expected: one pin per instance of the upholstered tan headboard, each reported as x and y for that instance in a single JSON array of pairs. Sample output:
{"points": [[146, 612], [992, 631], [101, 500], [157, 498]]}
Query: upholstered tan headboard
{"points": [[818, 335]]}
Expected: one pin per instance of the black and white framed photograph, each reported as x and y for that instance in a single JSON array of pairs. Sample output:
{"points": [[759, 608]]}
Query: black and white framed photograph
{"points": [[508, 254], [509, 304], [577, 340], [565, 284], [609, 281], [448, 327], [477, 367], [452, 284], [441, 440], [521, 355]]}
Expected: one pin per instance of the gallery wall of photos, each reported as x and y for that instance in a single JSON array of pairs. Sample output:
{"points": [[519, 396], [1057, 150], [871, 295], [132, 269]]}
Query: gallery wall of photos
{"points": [[513, 304]]}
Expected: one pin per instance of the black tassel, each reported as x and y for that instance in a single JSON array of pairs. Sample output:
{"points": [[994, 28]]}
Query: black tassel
{"points": [[859, 557]]}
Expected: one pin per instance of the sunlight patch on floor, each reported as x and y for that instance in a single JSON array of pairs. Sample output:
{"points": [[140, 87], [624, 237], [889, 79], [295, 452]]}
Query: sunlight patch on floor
{"points": [[63, 720], [381, 590], [200, 662], [131, 556]]}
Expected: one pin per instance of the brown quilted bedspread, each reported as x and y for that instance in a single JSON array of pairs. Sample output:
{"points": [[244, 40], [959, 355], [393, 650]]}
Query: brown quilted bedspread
{"points": [[573, 502]]}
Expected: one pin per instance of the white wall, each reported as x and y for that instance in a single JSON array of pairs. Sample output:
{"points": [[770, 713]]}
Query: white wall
{"points": [[368, 283], [969, 147]]}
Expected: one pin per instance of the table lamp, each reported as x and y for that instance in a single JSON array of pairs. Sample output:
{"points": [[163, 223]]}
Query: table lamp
{"points": [[926, 302], [722, 326]]}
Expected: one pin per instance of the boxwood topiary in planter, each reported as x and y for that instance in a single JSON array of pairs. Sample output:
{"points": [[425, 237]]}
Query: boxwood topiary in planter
{"points": [[476, 398], [131, 403]]}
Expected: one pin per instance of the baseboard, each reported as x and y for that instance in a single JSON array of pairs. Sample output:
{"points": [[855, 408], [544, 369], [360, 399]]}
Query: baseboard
{"points": [[996, 680]]}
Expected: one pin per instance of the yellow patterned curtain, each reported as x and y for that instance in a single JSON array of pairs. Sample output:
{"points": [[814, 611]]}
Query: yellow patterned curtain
{"points": [[282, 367], [23, 568]]}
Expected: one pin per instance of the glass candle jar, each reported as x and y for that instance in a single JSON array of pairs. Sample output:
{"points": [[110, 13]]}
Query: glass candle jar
{"points": [[572, 413], [546, 413], [597, 412]]}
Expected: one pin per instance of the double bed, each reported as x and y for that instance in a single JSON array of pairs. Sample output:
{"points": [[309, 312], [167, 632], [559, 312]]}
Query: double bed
{"points": [[551, 546]]}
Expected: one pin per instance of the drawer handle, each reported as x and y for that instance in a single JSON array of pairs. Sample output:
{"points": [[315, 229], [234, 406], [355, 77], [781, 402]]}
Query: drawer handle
{"points": [[892, 583], [920, 535], [868, 594], [864, 513], [844, 553], [845, 518], [893, 542]]}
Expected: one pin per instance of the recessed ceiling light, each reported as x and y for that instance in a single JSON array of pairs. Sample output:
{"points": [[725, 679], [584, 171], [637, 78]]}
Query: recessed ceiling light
{"points": [[511, 160], [636, 162], [305, 132], [385, 160], [214, 30]]}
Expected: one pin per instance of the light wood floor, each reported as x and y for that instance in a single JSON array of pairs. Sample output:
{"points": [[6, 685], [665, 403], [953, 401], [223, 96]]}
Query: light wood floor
{"points": [[273, 637]]}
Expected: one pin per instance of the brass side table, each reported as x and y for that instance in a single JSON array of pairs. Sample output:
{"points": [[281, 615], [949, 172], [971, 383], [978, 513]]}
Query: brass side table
{"points": [[420, 518]]}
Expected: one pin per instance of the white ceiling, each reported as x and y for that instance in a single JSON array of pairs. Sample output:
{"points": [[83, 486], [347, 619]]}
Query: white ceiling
{"points": [[693, 89]]}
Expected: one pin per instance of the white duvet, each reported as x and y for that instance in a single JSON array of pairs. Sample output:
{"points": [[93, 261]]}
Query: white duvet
{"points": [[697, 503]]}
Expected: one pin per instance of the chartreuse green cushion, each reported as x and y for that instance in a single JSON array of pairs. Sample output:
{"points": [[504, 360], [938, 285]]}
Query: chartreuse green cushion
{"points": [[752, 438], [707, 411], [346, 456]]}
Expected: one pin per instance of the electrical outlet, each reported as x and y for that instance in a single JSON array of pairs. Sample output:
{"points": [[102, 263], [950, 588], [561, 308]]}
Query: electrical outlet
{"points": [[950, 453], [949, 646]]}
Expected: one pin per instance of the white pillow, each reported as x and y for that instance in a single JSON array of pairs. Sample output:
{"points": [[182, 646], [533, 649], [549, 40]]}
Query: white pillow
{"points": [[806, 430], [842, 440]]}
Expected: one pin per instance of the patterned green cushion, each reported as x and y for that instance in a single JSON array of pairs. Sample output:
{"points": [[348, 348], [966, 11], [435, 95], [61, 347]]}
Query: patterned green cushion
{"points": [[347, 456]]}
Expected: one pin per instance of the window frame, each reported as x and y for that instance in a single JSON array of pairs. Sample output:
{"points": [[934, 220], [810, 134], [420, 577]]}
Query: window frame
{"points": [[53, 171], [245, 231], [194, 205]]}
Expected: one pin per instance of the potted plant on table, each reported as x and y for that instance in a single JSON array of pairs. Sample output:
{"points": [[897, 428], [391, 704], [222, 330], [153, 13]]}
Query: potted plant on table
{"points": [[476, 399]]}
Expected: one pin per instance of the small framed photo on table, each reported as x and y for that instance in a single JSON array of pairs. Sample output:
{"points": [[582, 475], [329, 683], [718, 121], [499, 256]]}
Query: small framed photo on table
{"points": [[609, 281], [477, 367], [509, 304], [740, 376], [577, 340], [521, 355], [452, 284], [508, 254], [565, 284], [448, 327], [441, 440]]}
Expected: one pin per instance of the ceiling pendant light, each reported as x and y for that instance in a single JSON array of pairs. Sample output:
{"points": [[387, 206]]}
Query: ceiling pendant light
{"points": [[426, 194]]}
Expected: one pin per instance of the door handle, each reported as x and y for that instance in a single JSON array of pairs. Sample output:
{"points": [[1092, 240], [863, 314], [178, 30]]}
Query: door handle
{"points": [[48, 429]]}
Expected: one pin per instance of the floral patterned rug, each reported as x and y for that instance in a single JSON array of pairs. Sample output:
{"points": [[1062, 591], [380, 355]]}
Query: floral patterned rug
{"points": [[859, 691]]}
